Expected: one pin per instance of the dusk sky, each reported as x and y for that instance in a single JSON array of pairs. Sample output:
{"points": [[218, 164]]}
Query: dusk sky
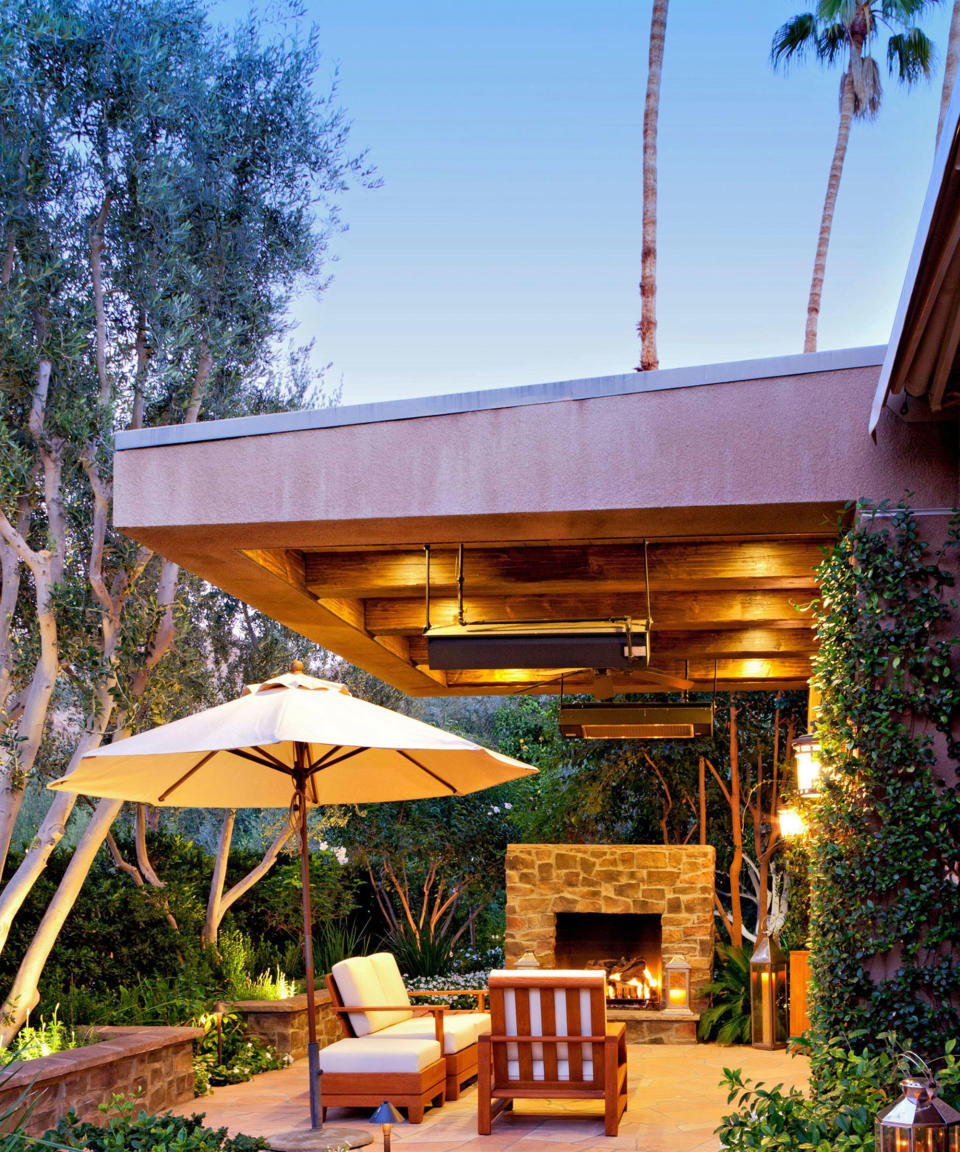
{"points": [[504, 245]]}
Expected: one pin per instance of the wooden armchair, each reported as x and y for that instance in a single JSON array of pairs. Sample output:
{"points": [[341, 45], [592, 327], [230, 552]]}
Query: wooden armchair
{"points": [[550, 1038]]}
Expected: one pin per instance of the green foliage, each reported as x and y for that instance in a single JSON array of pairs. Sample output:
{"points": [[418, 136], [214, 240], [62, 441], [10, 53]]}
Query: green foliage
{"points": [[337, 940], [850, 1087], [226, 1054], [118, 960], [49, 1036], [885, 913], [164, 1133], [419, 953], [727, 1020], [470, 981]]}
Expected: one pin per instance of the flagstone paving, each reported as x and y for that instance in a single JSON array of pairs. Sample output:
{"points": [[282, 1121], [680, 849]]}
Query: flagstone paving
{"points": [[675, 1105]]}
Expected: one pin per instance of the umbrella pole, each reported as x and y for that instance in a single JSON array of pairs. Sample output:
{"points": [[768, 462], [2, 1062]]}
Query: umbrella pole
{"points": [[313, 1058]]}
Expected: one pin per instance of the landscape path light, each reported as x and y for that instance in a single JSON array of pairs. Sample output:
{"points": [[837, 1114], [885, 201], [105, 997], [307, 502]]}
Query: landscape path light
{"points": [[919, 1121], [386, 1116], [768, 994]]}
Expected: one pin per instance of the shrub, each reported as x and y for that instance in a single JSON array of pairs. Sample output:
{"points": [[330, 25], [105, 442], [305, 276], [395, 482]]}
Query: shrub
{"points": [[727, 1020], [849, 1087], [153, 1133], [226, 1054]]}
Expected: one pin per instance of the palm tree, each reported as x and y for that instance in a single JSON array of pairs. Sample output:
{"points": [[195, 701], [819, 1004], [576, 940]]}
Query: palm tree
{"points": [[950, 68], [647, 328], [843, 31]]}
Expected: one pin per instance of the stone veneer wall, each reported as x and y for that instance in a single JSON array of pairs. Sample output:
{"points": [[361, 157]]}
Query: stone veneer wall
{"points": [[674, 882], [156, 1062], [283, 1023]]}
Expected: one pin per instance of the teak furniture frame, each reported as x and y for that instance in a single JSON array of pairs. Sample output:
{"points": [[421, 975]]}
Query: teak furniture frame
{"points": [[608, 1078], [461, 1066], [410, 1090]]}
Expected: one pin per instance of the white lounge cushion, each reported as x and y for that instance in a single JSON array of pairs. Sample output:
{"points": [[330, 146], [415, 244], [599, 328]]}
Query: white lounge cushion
{"points": [[563, 1070], [371, 1054], [391, 982], [359, 983], [459, 1031]]}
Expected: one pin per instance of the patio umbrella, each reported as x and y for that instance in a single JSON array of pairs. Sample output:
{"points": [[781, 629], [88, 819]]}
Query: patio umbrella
{"points": [[291, 742]]}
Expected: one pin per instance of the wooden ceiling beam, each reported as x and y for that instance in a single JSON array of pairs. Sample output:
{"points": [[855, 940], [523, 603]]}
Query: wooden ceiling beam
{"points": [[693, 611], [566, 569]]}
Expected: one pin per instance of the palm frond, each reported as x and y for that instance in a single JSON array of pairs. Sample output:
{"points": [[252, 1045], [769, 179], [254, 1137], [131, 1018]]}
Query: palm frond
{"points": [[910, 56], [831, 42], [903, 12], [794, 39], [837, 11], [867, 89]]}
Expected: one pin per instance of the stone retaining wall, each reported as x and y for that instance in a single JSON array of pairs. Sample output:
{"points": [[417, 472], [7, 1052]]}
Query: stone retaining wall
{"points": [[158, 1062], [673, 882], [283, 1023]]}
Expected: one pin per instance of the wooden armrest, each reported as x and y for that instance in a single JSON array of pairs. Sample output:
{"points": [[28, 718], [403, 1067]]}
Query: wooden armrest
{"points": [[435, 1008], [480, 994]]}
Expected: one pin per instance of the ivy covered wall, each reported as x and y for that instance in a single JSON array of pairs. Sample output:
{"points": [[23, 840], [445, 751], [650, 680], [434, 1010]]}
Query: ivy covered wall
{"points": [[885, 847]]}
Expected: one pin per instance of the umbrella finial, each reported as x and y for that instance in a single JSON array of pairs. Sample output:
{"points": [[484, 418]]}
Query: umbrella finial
{"points": [[296, 666]]}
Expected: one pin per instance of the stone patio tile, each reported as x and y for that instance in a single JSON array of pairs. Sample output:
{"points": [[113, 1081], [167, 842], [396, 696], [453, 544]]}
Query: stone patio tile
{"points": [[675, 1105]]}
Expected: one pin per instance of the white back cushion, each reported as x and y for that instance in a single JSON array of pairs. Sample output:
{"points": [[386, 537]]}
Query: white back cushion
{"points": [[358, 983], [385, 966]]}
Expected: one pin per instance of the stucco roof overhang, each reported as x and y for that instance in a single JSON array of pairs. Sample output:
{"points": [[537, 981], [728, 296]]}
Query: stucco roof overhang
{"points": [[735, 474], [920, 377]]}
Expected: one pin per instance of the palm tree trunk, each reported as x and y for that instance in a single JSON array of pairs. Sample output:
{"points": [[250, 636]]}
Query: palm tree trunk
{"points": [[826, 220], [950, 68], [647, 328]]}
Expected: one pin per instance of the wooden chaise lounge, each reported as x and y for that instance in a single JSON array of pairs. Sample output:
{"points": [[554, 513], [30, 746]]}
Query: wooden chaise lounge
{"points": [[370, 998]]}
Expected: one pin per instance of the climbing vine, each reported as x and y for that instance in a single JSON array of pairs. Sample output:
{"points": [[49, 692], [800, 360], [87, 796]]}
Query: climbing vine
{"points": [[885, 850]]}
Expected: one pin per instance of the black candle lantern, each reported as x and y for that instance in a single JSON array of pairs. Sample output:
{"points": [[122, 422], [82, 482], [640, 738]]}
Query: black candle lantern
{"points": [[768, 995], [919, 1121]]}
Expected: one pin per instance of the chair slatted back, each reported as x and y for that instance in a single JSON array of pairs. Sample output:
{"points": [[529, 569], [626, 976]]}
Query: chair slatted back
{"points": [[536, 1011]]}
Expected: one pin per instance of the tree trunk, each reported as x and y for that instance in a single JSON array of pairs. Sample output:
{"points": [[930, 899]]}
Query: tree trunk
{"points": [[736, 910], [252, 877], [647, 328], [950, 68], [214, 915], [23, 994], [826, 219]]}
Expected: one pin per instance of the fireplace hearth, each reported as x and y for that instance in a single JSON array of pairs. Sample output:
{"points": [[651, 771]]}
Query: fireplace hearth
{"points": [[613, 907]]}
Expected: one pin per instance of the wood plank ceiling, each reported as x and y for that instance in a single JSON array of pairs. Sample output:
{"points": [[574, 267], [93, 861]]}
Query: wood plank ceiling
{"points": [[734, 608]]}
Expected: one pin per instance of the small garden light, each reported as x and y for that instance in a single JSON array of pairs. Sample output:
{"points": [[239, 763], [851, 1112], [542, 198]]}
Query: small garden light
{"points": [[386, 1116], [919, 1121], [806, 749], [768, 995]]}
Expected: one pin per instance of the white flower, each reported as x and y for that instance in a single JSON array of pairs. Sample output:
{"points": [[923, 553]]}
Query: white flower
{"points": [[507, 806]]}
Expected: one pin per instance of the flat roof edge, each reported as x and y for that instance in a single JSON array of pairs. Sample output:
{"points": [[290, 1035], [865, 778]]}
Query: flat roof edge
{"points": [[590, 388]]}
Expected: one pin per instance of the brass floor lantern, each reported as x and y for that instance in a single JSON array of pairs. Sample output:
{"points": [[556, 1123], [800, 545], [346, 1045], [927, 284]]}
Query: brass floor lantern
{"points": [[768, 995], [919, 1121]]}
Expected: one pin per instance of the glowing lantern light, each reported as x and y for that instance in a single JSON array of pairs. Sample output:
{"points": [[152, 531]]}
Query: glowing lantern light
{"points": [[676, 982], [919, 1121], [792, 822], [768, 995], [806, 749]]}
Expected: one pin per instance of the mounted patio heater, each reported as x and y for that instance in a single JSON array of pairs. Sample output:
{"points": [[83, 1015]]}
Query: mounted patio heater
{"points": [[636, 721], [536, 644]]}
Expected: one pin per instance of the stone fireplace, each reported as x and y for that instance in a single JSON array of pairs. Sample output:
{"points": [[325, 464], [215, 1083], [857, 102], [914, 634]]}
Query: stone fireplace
{"points": [[570, 904]]}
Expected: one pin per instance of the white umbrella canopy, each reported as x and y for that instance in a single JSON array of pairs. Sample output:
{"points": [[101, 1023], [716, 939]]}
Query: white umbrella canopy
{"points": [[290, 742], [248, 752]]}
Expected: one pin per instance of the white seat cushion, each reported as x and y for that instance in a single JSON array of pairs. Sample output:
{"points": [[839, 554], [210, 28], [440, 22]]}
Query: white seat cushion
{"points": [[459, 1032], [371, 1054], [359, 982]]}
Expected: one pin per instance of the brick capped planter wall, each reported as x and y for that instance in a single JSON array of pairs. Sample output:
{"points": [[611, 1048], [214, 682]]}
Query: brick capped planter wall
{"points": [[673, 882], [283, 1023], [157, 1061]]}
